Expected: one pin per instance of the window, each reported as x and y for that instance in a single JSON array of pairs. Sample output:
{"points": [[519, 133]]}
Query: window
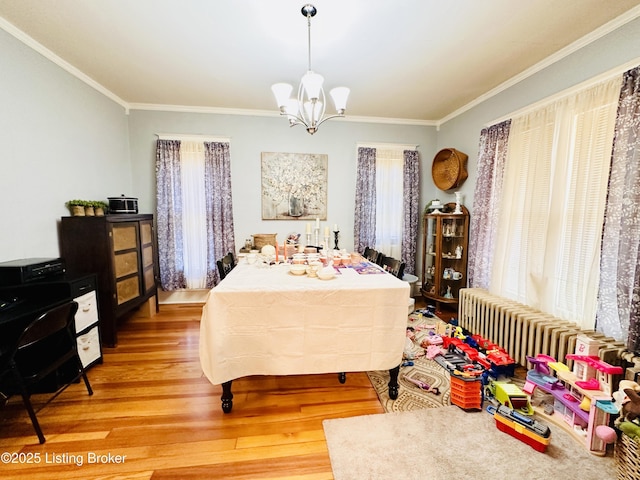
{"points": [[389, 201], [555, 184]]}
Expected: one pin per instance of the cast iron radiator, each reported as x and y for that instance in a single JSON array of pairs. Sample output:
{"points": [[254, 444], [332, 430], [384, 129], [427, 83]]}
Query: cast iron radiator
{"points": [[525, 331]]}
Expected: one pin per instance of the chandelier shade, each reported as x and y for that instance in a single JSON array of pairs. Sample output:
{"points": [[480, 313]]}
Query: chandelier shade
{"points": [[308, 109]]}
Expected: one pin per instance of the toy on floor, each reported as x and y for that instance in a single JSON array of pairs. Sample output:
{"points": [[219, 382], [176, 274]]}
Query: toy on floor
{"points": [[423, 386], [532, 432], [509, 395], [628, 400], [578, 405]]}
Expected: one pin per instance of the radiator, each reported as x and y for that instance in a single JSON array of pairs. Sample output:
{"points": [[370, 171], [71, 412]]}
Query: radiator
{"points": [[524, 331]]}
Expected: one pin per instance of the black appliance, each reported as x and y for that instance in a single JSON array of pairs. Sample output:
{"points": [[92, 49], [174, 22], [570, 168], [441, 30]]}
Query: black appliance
{"points": [[27, 270], [123, 204]]}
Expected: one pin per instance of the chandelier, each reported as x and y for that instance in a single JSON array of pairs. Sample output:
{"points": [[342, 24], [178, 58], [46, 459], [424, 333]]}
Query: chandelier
{"points": [[309, 108]]}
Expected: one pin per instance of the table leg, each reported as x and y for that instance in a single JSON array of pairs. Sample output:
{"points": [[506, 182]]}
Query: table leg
{"points": [[342, 377], [393, 382], [227, 397]]}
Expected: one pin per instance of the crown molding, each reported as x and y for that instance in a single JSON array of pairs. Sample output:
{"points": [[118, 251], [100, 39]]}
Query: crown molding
{"points": [[272, 113]]}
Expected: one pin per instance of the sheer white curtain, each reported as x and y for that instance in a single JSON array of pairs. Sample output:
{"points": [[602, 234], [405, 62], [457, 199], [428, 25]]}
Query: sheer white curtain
{"points": [[555, 185], [194, 219], [389, 201]]}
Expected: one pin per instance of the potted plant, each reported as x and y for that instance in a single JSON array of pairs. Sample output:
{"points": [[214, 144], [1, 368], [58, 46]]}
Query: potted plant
{"points": [[76, 207], [88, 209], [100, 207]]}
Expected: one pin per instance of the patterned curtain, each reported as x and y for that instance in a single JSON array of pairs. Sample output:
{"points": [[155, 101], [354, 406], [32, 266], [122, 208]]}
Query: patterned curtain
{"points": [[364, 221], [410, 187], [486, 202], [169, 216], [619, 292], [220, 237]]}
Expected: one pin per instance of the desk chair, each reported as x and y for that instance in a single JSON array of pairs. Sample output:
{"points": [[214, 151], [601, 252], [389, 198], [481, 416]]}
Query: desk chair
{"points": [[226, 264], [372, 255], [44, 346]]}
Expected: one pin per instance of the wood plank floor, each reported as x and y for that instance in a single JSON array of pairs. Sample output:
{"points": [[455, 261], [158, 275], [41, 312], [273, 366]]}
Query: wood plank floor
{"points": [[154, 409]]}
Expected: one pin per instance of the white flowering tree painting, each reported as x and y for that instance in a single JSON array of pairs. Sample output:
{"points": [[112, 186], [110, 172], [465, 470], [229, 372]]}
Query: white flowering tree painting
{"points": [[294, 186]]}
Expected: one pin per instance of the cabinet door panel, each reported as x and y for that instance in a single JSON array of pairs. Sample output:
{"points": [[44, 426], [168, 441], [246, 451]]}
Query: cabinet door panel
{"points": [[145, 232], [128, 289], [149, 279], [126, 263], [147, 256], [124, 237]]}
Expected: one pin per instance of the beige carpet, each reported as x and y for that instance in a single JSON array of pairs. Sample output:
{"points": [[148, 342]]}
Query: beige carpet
{"points": [[450, 443]]}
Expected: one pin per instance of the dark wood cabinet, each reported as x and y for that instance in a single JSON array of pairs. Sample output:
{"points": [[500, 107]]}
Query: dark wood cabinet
{"points": [[120, 250], [444, 255]]}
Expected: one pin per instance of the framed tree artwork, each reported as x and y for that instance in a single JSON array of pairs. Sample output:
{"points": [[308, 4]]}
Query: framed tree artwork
{"points": [[294, 186]]}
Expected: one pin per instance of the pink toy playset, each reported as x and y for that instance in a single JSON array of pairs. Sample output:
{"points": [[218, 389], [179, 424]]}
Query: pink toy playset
{"points": [[582, 397]]}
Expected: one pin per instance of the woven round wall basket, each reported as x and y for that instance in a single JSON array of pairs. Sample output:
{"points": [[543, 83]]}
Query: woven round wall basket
{"points": [[449, 169]]}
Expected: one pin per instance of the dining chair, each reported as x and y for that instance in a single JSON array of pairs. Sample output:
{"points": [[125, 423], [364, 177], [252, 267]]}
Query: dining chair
{"points": [[226, 264], [45, 346], [372, 255], [396, 268], [393, 266]]}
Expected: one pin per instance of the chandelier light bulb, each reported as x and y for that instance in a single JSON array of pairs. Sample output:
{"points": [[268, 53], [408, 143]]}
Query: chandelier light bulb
{"points": [[340, 96], [282, 92], [312, 84]]}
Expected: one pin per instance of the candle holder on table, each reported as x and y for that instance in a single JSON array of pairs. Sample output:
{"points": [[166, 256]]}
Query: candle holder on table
{"points": [[317, 233], [336, 233]]}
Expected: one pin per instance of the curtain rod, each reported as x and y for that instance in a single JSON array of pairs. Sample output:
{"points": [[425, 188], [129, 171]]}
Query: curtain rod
{"points": [[393, 146], [187, 137], [619, 70]]}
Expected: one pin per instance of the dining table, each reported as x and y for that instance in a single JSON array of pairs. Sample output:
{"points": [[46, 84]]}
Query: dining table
{"points": [[264, 320]]}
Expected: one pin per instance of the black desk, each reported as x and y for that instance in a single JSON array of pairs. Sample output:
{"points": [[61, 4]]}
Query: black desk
{"points": [[34, 299]]}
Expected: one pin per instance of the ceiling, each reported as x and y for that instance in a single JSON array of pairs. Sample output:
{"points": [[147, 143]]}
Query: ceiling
{"points": [[416, 61]]}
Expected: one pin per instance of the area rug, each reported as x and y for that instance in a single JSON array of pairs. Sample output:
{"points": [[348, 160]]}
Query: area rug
{"points": [[410, 396], [448, 443], [416, 368]]}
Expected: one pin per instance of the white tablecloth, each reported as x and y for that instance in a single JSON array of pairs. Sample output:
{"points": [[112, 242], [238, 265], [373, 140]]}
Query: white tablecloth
{"points": [[267, 321]]}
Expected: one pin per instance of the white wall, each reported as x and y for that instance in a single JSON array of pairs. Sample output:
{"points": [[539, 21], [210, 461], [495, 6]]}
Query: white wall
{"points": [[59, 140], [252, 135]]}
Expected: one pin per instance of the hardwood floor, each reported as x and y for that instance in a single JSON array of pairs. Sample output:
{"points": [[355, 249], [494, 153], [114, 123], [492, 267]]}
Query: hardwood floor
{"points": [[158, 417]]}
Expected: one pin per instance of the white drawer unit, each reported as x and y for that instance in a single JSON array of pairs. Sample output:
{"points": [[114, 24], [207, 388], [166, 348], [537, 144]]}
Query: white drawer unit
{"points": [[87, 311], [89, 347], [87, 319]]}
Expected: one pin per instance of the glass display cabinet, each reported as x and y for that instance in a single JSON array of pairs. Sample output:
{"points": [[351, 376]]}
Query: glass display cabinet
{"points": [[444, 255]]}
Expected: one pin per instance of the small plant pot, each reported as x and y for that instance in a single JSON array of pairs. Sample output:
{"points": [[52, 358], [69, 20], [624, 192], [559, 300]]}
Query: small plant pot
{"points": [[77, 211], [99, 211], [89, 212]]}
